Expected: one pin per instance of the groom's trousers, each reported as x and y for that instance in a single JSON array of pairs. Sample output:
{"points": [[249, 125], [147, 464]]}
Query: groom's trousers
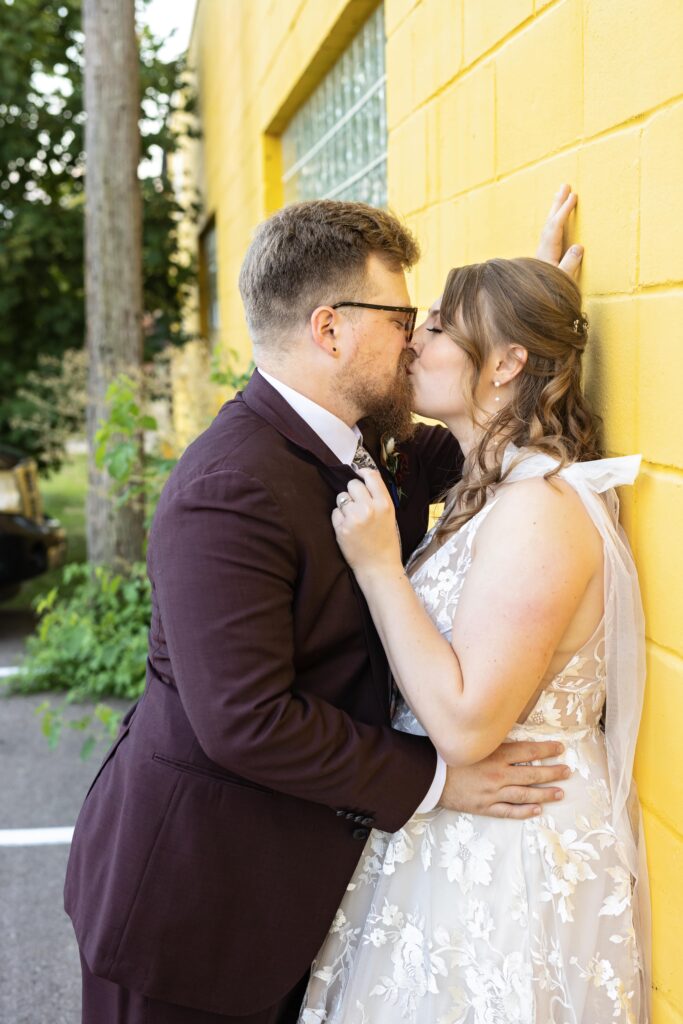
{"points": [[107, 1003]]}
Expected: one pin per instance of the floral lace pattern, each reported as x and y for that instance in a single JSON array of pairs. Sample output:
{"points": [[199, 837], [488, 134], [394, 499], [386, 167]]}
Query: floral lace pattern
{"points": [[461, 919]]}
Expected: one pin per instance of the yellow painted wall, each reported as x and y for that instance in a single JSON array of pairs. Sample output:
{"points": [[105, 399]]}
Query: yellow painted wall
{"points": [[491, 105], [254, 61]]}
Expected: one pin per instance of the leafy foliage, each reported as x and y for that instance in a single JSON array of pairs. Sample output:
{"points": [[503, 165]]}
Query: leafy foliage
{"points": [[118, 451], [49, 406], [42, 182], [92, 635], [91, 642], [52, 722], [224, 372]]}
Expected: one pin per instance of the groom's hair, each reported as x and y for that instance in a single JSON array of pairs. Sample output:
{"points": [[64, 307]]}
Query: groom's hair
{"points": [[314, 254]]}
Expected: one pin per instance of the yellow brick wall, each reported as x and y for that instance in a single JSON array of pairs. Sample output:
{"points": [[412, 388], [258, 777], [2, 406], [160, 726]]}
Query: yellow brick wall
{"points": [[491, 105]]}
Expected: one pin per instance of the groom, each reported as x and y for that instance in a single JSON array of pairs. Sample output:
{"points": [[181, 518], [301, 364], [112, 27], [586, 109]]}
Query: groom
{"points": [[218, 837]]}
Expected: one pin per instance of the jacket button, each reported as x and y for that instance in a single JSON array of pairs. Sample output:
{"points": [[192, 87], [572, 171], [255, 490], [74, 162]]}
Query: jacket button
{"points": [[360, 833], [368, 821], [340, 814]]}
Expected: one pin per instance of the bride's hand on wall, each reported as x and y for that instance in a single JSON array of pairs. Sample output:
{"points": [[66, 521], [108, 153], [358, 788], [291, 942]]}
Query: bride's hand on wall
{"points": [[365, 525], [551, 245]]}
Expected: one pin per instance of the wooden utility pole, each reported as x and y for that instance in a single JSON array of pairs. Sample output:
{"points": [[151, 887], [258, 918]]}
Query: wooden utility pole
{"points": [[113, 251]]}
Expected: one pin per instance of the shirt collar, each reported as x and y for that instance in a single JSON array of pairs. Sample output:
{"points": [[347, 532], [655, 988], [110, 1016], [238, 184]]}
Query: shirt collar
{"points": [[339, 437]]}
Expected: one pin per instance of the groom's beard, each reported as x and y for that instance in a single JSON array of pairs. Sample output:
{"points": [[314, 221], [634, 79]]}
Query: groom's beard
{"points": [[388, 406]]}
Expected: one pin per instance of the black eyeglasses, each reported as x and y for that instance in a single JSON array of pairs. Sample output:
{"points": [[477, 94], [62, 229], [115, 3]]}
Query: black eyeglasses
{"points": [[410, 311]]}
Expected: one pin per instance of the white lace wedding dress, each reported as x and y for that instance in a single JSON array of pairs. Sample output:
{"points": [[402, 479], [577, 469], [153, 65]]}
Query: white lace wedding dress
{"points": [[460, 919]]}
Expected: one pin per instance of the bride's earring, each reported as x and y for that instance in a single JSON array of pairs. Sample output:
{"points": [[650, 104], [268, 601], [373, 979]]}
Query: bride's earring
{"points": [[496, 384]]}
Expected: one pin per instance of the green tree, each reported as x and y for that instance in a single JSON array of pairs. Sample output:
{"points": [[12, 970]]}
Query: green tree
{"points": [[42, 182]]}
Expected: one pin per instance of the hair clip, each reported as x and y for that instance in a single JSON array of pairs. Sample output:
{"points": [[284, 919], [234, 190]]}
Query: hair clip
{"points": [[580, 325]]}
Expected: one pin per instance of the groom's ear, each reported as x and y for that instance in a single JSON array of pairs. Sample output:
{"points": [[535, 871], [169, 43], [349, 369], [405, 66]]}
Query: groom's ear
{"points": [[511, 363], [324, 325]]}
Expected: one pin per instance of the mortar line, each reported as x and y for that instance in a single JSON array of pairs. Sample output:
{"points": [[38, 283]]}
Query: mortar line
{"points": [[669, 651]]}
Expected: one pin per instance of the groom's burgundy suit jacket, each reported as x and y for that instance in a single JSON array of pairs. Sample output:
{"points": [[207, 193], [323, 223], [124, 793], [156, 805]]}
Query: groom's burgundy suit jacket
{"points": [[218, 837]]}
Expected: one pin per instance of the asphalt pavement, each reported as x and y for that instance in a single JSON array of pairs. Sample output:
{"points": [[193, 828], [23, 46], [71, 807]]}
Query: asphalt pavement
{"points": [[40, 788]]}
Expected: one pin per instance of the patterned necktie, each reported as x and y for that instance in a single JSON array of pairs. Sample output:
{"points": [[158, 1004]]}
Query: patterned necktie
{"points": [[363, 459]]}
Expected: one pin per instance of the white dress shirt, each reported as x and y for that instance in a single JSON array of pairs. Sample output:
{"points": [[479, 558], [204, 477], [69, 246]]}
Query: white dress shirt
{"points": [[343, 440]]}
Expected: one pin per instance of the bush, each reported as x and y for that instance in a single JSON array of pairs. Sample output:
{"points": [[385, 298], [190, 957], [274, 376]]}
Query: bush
{"points": [[104, 720], [132, 479], [49, 407], [224, 373], [92, 635], [91, 643]]}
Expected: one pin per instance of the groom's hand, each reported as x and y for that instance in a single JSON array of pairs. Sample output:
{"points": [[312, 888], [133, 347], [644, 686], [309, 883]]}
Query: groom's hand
{"points": [[503, 785], [551, 245]]}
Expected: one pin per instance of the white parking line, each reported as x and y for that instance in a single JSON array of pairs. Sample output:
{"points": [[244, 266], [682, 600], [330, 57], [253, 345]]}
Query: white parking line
{"points": [[35, 836]]}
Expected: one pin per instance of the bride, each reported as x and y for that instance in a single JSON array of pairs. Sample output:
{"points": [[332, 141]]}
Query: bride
{"points": [[518, 617]]}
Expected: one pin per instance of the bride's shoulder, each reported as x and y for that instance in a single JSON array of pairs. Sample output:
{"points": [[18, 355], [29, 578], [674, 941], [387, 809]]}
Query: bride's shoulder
{"points": [[543, 511], [537, 491]]}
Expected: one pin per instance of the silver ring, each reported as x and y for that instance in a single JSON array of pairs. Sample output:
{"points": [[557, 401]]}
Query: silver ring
{"points": [[342, 500]]}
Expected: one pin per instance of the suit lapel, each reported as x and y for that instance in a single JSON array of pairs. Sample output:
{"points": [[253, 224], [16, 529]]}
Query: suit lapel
{"points": [[269, 404]]}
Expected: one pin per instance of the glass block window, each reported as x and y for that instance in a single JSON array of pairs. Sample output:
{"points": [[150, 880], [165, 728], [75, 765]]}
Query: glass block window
{"points": [[335, 146], [208, 268]]}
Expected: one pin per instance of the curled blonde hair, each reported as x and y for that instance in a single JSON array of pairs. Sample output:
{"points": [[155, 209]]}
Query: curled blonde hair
{"points": [[530, 303]]}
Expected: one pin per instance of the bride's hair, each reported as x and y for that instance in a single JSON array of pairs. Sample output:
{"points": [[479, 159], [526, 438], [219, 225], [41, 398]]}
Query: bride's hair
{"points": [[530, 303]]}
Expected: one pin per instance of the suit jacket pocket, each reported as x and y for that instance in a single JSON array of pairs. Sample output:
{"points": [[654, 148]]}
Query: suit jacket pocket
{"points": [[204, 771]]}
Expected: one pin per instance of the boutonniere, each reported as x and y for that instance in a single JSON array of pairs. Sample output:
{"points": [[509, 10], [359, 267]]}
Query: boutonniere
{"points": [[396, 464]]}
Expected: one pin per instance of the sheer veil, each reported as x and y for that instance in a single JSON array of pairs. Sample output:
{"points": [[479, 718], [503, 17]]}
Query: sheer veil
{"points": [[594, 482]]}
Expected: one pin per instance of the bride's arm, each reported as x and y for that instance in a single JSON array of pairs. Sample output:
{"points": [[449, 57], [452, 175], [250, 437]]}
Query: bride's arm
{"points": [[536, 553]]}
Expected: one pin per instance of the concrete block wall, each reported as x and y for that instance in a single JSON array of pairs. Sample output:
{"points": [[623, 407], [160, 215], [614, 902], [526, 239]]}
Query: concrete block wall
{"points": [[531, 94]]}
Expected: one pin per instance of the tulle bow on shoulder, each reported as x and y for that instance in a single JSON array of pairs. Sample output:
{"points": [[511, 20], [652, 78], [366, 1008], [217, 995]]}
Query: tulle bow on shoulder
{"points": [[598, 476], [602, 474]]}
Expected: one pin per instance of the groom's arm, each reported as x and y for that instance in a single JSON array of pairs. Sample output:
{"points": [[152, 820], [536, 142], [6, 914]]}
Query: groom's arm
{"points": [[225, 568], [439, 456]]}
